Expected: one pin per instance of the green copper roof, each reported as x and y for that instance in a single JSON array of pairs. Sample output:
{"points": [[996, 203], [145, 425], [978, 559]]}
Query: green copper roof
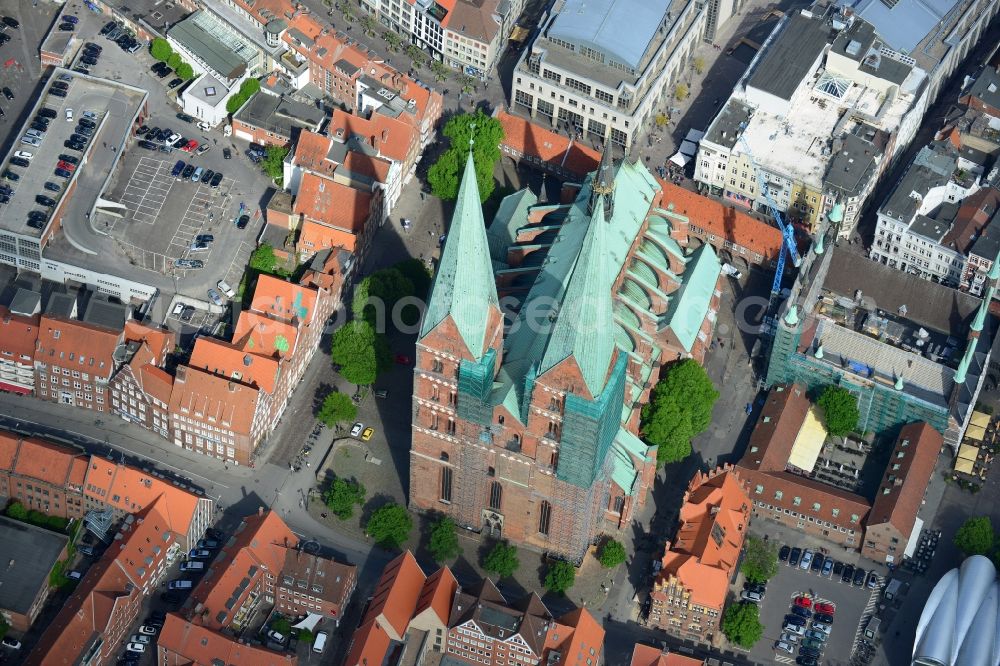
{"points": [[792, 316], [584, 324], [510, 217], [982, 311], [464, 286], [965, 362], [690, 304], [836, 213]]}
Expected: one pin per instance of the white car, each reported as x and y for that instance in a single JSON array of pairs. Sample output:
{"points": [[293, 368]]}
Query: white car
{"points": [[135, 647], [819, 626], [202, 149], [794, 629], [752, 597], [90, 115], [147, 630], [225, 288], [791, 639], [141, 638], [178, 309], [204, 127], [172, 139], [69, 115], [357, 428], [12, 643], [784, 647], [30, 141], [23, 154]]}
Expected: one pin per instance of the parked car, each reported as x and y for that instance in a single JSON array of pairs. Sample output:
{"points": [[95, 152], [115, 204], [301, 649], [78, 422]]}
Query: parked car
{"points": [[848, 574], [817, 562], [216, 179], [192, 566], [11, 643], [242, 222], [838, 568], [207, 543], [752, 597], [180, 584], [827, 567], [43, 200], [816, 635], [807, 557], [822, 627], [203, 148], [792, 628], [859, 577], [196, 176], [62, 173], [806, 661], [206, 177], [70, 159], [187, 312], [794, 557], [188, 170], [56, 92], [824, 618], [185, 117], [10, 175], [148, 145], [799, 611], [827, 609], [189, 146], [135, 647], [275, 636], [197, 246], [52, 187], [148, 630], [175, 82], [226, 289], [7, 93], [46, 112], [789, 638], [781, 646], [813, 643], [189, 263], [873, 580], [809, 652], [10, 22], [20, 161], [367, 434], [141, 638], [357, 428], [200, 553], [178, 169], [227, 154], [784, 553], [803, 602]]}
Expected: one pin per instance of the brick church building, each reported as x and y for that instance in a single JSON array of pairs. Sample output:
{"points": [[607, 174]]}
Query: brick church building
{"points": [[541, 340]]}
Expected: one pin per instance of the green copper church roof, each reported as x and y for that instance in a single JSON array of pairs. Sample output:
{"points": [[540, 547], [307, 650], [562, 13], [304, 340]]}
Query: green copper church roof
{"points": [[687, 309], [464, 286], [584, 326]]}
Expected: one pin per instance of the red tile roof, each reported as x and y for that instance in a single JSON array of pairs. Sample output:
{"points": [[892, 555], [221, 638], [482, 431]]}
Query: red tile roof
{"points": [[644, 655], [191, 644], [530, 139], [916, 452], [390, 136], [45, 461], [161, 341], [70, 343], [722, 221], [282, 299], [260, 544], [311, 152], [259, 334], [18, 335], [234, 363], [202, 395], [778, 424], [973, 216], [99, 606], [437, 594], [332, 204], [577, 637]]}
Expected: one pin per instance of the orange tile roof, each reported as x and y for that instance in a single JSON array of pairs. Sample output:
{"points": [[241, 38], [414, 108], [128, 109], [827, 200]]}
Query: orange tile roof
{"points": [[722, 221], [156, 382], [259, 334], [531, 139], [260, 542], [316, 237], [161, 341], [70, 343], [644, 655], [392, 137], [311, 152], [374, 168], [8, 449], [230, 403], [907, 484], [283, 299], [389, 611], [713, 518], [131, 490], [18, 334], [197, 645], [227, 360], [45, 461], [573, 636], [100, 601], [437, 594], [332, 204]]}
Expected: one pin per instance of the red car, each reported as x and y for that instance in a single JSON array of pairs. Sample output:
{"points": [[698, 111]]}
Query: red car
{"points": [[189, 146], [66, 165], [803, 602], [826, 609], [403, 359]]}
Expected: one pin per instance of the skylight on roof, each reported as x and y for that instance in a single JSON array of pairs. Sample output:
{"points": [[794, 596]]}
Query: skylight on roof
{"points": [[834, 86]]}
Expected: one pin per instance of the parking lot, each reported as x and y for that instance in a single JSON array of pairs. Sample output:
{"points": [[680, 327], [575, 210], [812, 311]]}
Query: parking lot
{"points": [[850, 602]]}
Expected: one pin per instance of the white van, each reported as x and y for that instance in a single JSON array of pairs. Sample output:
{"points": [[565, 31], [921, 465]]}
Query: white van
{"points": [[320, 643]]}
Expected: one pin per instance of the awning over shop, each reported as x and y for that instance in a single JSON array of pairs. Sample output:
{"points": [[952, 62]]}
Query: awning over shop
{"points": [[964, 466], [808, 442], [975, 432], [969, 452], [980, 419], [680, 159]]}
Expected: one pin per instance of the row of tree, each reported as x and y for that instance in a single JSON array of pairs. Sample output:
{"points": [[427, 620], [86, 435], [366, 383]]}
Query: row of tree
{"points": [[161, 50]]}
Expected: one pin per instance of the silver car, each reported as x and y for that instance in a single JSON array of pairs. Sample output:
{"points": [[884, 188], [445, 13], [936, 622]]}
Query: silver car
{"points": [[215, 297]]}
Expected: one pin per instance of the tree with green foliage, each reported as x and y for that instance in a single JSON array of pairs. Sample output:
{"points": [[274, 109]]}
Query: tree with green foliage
{"points": [[741, 624], [57, 577], [263, 259], [282, 626], [160, 49], [680, 407], [392, 40], [502, 560], [4, 627], [840, 410], [17, 511], [681, 91], [468, 84], [248, 89], [273, 163], [361, 353], [416, 56], [185, 71], [174, 60], [336, 408], [305, 636], [443, 539], [760, 560], [975, 536], [612, 553], [560, 576], [485, 134], [416, 271], [380, 291], [342, 496], [390, 526], [368, 25], [440, 70]]}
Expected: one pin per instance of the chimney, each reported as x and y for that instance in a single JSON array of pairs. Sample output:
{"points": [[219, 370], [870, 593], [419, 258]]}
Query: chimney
{"points": [[260, 510], [385, 135]]}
